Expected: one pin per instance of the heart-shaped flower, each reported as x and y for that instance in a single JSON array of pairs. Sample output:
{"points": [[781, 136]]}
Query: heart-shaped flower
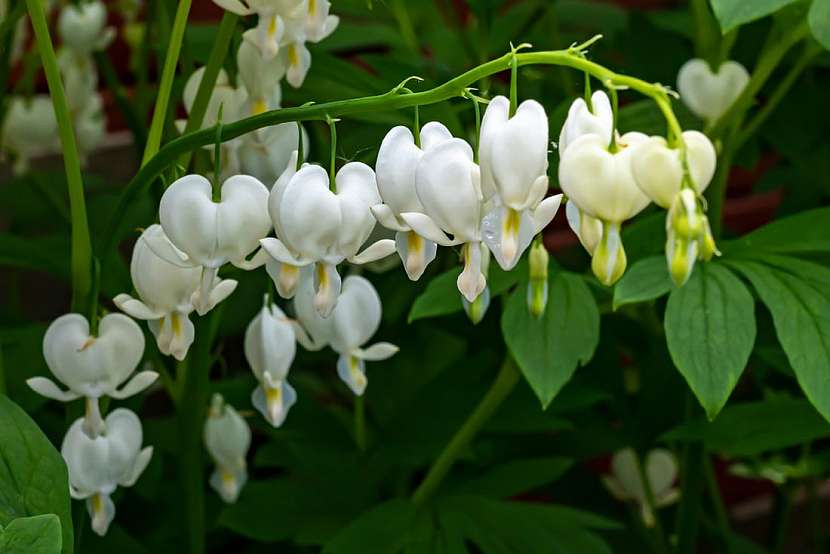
{"points": [[93, 366], [626, 480], [82, 27], [29, 129], [707, 93], [227, 438], [97, 466], [354, 321], [598, 119], [269, 348], [166, 292], [513, 154], [214, 233], [658, 169], [448, 184], [396, 167], [271, 26], [317, 225]]}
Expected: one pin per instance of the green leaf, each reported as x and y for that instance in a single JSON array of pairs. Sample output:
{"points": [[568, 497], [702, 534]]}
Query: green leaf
{"points": [[385, 529], [756, 427], [32, 535], [819, 20], [33, 479], [549, 349], [710, 330], [805, 232], [733, 13], [441, 296], [796, 293], [645, 280], [516, 476]]}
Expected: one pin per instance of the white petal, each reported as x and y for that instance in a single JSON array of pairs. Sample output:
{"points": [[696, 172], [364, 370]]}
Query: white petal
{"points": [[374, 252], [136, 308], [101, 513], [234, 6], [416, 253], [357, 314], [545, 212], [138, 468], [46, 387], [141, 381], [274, 407], [376, 352], [386, 217], [708, 94], [427, 228], [277, 250], [352, 371], [327, 286], [507, 233]]}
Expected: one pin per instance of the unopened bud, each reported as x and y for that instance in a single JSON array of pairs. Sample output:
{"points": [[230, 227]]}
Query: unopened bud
{"points": [[708, 248], [681, 254], [609, 261], [537, 288]]}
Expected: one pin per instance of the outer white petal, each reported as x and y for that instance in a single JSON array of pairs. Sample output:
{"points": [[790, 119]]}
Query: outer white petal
{"points": [[415, 252], [234, 6], [138, 468], [388, 218], [275, 403], [374, 252], [327, 286], [545, 212], [313, 331], [357, 315], [299, 62], [426, 227], [661, 470], [507, 233], [582, 121], [141, 381], [270, 343], [376, 352], [136, 308], [352, 371], [48, 388], [310, 215], [101, 513], [357, 192], [586, 228]]}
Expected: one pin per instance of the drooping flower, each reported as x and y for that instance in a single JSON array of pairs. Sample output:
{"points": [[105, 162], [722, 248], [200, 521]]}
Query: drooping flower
{"points": [[83, 27], [212, 234], [688, 236], [513, 154], [588, 229], [271, 25], [166, 292], [477, 309], [537, 286], [93, 366], [30, 129], [396, 168], [319, 23], [658, 169], [354, 321], [227, 438], [448, 184], [598, 119], [269, 348], [709, 93], [98, 466], [316, 225], [626, 480], [601, 183]]}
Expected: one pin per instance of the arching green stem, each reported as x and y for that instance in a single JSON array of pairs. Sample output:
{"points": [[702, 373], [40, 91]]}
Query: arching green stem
{"points": [[81, 264]]}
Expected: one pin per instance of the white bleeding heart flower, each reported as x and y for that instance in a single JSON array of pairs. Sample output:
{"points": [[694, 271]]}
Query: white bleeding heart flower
{"points": [[82, 27], [513, 155], [311, 330], [214, 233], [269, 348], [297, 60], [707, 93], [80, 78], [90, 126], [260, 77], [588, 229], [396, 168], [93, 366], [658, 169], [227, 438], [598, 119], [271, 25], [448, 184], [354, 321], [166, 292], [30, 129], [224, 96], [626, 480], [316, 225], [319, 23], [98, 466], [602, 185]]}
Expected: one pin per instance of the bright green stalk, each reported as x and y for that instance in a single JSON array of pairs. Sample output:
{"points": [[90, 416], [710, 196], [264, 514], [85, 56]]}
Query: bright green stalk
{"points": [[221, 45], [506, 379], [573, 57], [174, 47], [332, 164], [81, 264]]}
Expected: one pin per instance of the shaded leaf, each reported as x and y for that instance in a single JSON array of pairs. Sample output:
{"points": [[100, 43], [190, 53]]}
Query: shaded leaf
{"points": [[32, 535], [645, 280]]}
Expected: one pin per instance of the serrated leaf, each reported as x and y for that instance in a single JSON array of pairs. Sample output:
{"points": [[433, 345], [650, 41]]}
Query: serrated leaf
{"points": [[516, 476], [756, 427], [804, 232], [819, 21], [385, 529], [33, 478], [710, 330], [733, 13], [645, 280], [796, 294], [32, 535], [549, 349]]}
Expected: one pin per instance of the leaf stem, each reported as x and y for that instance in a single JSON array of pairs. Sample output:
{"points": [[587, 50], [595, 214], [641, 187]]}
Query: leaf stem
{"points": [[81, 263], [333, 162], [506, 379], [171, 60]]}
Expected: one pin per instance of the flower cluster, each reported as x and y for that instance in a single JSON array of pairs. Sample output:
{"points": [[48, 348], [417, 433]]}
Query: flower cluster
{"points": [[610, 178], [30, 128], [283, 29]]}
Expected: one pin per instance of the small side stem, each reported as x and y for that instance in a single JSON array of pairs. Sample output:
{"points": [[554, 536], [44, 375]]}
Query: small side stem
{"points": [[506, 379], [81, 262], [333, 163], [171, 60]]}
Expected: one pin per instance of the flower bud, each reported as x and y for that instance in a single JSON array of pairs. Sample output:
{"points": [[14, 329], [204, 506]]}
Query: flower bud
{"points": [[609, 261], [537, 288], [227, 438], [681, 254], [707, 246], [477, 309], [685, 217]]}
